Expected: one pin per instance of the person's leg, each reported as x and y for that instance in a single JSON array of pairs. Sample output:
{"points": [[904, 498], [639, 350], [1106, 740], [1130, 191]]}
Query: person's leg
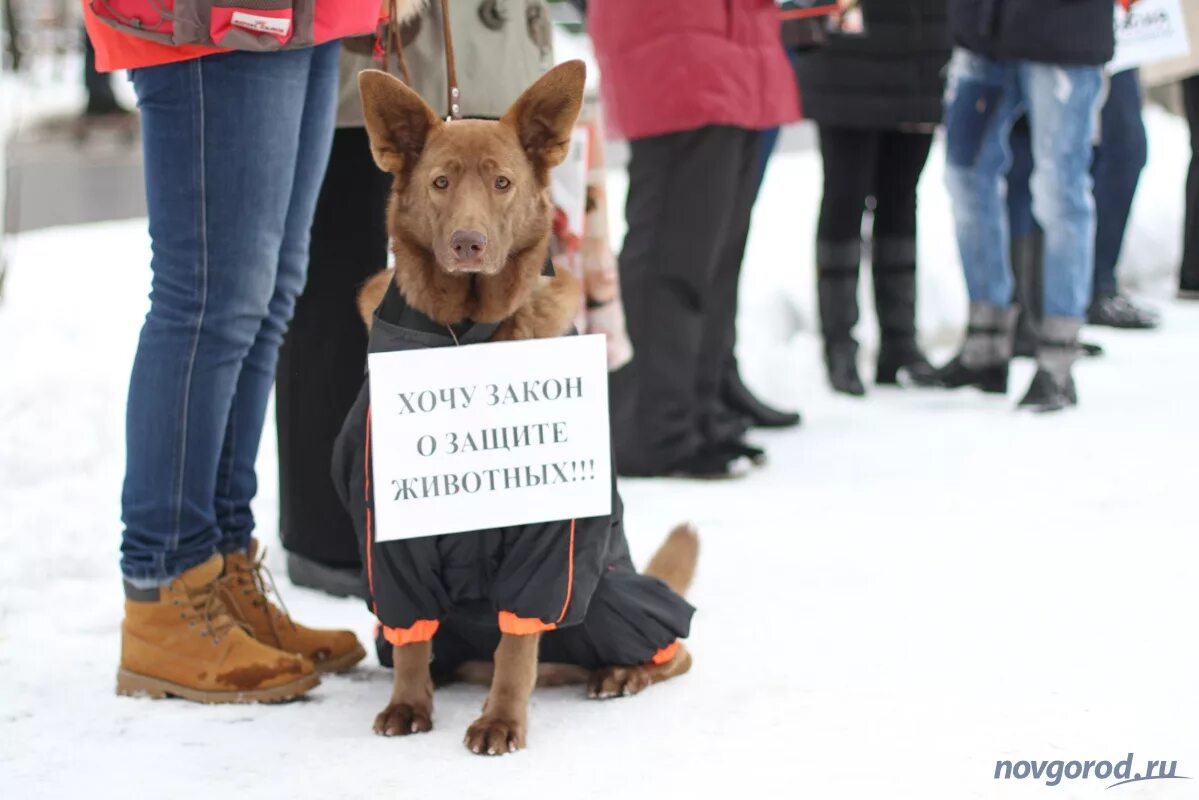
{"points": [[100, 97], [222, 142], [735, 396], [1188, 278], [329, 650], [901, 160], [1062, 105], [237, 482], [680, 192], [720, 330], [221, 136], [323, 360], [1116, 170], [983, 99], [1121, 155], [1026, 240], [849, 156], [1019, 192], [1061, 112], [770, 139]]}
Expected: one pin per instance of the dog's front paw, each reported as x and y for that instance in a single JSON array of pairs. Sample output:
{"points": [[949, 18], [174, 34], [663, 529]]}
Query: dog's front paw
{"points": [[617, 682], [494, 736], [401, 719]]}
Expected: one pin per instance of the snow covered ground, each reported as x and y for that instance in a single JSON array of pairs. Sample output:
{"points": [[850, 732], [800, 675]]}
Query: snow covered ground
{"points": [[917, 586]]}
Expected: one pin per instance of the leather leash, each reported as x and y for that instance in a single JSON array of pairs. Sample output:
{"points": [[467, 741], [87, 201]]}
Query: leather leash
{"points": [[451, 75], [395, 42]]}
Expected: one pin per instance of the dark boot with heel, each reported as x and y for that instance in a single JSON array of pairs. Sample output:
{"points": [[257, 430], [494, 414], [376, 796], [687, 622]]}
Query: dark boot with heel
{"points": [[1052, 388], [737, 397], [895, 303], [899, 358], [837, 265], [841, 362], [986, 354]]}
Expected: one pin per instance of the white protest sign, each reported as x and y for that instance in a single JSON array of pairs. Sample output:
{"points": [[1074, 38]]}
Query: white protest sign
{"points": [[489, 435], [1151, 30]]}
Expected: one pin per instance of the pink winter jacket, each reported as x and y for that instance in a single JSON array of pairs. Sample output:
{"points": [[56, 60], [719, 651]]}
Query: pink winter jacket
{"points": [[676, 65]]}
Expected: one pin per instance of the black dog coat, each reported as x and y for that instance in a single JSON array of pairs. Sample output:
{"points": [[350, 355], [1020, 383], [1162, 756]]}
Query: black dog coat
{"points": [[572, 579]]}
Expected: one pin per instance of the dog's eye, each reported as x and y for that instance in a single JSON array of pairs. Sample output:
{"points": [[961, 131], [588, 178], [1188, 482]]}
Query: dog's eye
{"points": [[502, 183], [441, 182]]}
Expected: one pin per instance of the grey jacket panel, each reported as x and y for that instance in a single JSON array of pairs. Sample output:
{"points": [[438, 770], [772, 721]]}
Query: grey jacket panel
{"points": [[495, 62]]}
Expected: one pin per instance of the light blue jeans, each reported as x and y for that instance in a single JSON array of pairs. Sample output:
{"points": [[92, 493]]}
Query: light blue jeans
{"points": [[983, 99], [235, 148]]}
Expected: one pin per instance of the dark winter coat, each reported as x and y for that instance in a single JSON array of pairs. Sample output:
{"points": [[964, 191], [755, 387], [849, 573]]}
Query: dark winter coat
{"points": [[1071, 32], [521, 579], [889, 77]]}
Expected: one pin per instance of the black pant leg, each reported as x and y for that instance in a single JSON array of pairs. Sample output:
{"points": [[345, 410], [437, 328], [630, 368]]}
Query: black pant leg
{"points": [[849, 156], [720, 334], [100, 96], [901, 161], [323, 359], [682, 188], [1189, 278]]}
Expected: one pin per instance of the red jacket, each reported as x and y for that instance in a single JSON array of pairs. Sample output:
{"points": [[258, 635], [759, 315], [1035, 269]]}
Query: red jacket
{"points": [[676, 65], [115, 50]]}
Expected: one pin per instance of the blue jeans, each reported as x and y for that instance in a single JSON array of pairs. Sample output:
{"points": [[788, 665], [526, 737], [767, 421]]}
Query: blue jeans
{"points": [[1121, 155], [235, 147], [983, 98]]}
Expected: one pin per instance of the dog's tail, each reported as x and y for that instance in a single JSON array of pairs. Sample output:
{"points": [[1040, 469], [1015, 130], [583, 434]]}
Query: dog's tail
{"points": [[676, 559]]}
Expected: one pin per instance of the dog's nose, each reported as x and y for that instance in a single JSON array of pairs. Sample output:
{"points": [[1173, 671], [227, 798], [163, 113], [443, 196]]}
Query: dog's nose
{"points": [[468, 244]]}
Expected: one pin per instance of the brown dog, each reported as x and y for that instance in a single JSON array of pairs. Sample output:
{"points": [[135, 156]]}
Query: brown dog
{"points": [[470, 223]]}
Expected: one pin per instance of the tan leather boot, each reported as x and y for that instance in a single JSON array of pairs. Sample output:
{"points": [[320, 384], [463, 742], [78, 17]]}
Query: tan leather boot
{"points": [[245, 590], [179, 640]]}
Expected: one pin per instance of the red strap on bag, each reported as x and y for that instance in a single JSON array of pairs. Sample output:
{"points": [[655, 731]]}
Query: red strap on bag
{"points": [[808, 13]]}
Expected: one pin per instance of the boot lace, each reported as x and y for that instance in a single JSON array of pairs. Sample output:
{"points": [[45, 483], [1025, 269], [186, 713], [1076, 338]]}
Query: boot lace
{"points": [[205, 607], [256, 581]]}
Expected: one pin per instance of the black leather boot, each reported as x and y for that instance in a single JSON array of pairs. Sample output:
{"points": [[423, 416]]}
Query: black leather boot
{"points": [[1047, 393], [737, 396], [718, 461], [1118, 311], [895, 303], [986, 355], [902, 356], [841, 361], [991, 379], [1053, 387], [837, 266], [337, 581]]}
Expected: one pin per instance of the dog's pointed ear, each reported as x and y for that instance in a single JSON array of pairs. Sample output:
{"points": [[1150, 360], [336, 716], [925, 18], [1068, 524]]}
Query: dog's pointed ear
{"points": [[398, 121], [545, 114]]}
